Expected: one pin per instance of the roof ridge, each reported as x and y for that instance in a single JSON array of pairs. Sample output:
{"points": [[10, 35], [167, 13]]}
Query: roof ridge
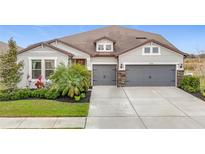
{"points": [[132, 29], [79, 33]]}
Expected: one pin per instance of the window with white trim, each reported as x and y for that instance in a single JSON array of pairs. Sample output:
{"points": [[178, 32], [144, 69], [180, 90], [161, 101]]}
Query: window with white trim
{"points": [[100, 47], [42, 67], [155, 50], [147, 50], [108, 47], [49, 68], [151, 50], [104, 47], [36, 69]]}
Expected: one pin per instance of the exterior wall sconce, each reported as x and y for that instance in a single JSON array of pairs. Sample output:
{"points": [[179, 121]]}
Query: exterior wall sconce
{"points": [[181, 66], [121, 66]]}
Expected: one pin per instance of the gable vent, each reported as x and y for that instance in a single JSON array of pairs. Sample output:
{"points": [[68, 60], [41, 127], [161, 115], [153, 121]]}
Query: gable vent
{"points": [[141, 38]]}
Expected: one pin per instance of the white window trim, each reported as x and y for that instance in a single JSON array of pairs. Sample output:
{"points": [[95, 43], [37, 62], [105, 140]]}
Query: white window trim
{"points": [[42, 65], [104, 45], [151, 50]]}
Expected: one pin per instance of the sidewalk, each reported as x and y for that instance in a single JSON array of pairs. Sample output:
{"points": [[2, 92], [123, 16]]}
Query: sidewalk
{"points": [[50, 122]]}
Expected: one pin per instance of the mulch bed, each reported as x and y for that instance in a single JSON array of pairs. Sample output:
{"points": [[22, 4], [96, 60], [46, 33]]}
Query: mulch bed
{"points": [[72, 100], [198, 95]]}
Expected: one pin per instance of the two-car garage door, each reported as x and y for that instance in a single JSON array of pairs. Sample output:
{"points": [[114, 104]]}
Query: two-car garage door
{"points": [[150, 75], [136, 75]]}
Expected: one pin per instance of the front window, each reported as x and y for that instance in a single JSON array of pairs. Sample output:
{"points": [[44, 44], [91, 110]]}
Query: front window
{"points": [[49, 68], [36, 69], [42, 67]]}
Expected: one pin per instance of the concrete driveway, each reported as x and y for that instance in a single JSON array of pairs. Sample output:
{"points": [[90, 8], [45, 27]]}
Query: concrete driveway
{"points": [[144, 107]]}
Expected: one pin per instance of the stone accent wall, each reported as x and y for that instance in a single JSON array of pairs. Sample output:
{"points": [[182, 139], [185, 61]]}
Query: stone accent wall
{"points": [[180, 74], [121, 77]]}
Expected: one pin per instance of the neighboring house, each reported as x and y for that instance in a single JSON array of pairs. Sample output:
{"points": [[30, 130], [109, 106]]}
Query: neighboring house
{"points": [[115, 55], [4, 48]]}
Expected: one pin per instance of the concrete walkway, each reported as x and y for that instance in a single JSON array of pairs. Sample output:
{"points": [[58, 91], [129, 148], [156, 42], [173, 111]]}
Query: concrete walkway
{"points": [[69, 122], [144, 107]]}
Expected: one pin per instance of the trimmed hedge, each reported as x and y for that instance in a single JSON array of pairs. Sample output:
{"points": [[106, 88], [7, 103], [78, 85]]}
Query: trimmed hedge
{"points": [[190, 84], [27, 93]]}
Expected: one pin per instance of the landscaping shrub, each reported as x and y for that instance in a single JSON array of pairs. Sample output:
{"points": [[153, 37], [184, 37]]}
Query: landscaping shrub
{"points": [[82, 95], [190, 84], [27, 93], [4, 96], [52, 94], [77, 98], [39, 93], [15, 95], [203, 92], [70, 81]]}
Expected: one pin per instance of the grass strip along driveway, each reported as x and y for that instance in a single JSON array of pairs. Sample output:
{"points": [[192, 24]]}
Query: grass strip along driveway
{"points": [[42, 108]]}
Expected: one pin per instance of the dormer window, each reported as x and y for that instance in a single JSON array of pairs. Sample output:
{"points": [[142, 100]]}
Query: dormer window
{"points": [[104, 44], [108, 47], [100, 47], [104, 47]]}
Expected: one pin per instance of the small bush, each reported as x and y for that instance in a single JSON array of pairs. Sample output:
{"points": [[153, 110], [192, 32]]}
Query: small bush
{"points": [[39, 93], [4, 96], [77, 98], [203, 92], [52, 94], [190, 84], [82, 95], [15, 95]]}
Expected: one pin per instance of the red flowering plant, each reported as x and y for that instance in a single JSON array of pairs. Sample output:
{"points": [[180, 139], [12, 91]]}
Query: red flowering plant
{"points": [[39, 84]]}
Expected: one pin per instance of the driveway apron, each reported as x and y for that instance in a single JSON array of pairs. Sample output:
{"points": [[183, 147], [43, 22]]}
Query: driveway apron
{"points": [[144, 107]]}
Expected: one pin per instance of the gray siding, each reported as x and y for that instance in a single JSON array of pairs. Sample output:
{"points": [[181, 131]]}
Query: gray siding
{"points": [[39, 52]]}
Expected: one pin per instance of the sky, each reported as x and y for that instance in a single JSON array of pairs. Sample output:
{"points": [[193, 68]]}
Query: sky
{"points": [[190, 39]]}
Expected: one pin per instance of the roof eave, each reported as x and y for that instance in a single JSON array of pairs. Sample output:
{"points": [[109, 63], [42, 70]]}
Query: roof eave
{"points": [[45, 44], [70, 45], [154, 41]]}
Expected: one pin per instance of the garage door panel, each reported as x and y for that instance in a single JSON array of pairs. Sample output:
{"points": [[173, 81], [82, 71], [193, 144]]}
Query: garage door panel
{"points": [[104, 74], [150, 75]]}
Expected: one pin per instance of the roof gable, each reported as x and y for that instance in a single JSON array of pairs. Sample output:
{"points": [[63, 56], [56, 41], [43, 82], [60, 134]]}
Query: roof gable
{"points": [[157, 42], [47, 45], [105, 38]]}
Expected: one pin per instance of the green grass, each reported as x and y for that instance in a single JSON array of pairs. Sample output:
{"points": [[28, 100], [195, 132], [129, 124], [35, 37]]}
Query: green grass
{"points": [[42, 108]]}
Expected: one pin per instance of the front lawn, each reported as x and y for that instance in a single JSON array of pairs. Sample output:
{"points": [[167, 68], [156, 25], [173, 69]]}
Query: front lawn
{"points": [[42, 108]]}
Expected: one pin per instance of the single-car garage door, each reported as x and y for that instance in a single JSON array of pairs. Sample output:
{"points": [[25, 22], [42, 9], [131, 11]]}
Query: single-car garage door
{"points": [[104, 74], [150, 75]]}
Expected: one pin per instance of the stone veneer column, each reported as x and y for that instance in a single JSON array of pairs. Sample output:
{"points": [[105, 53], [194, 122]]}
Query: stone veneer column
{"points": [[121, 77], [180, 74]]}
